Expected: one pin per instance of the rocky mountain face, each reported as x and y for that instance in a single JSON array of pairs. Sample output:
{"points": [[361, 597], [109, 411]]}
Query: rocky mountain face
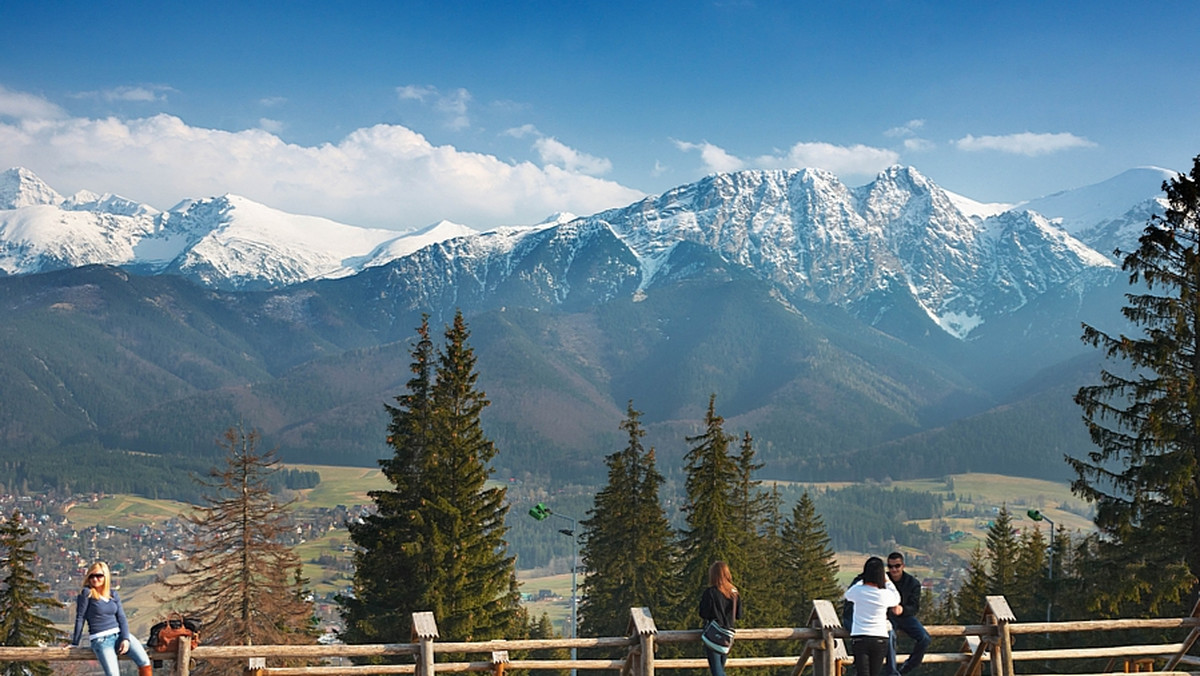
{"points": [[854, 332]]}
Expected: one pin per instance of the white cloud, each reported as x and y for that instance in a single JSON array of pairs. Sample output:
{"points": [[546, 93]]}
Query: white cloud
{"points": [[22, 106], [841, 160], [714, 157], [909, 128], [1026, 143], [381, 176], [552, 151], [452, 105], [523, 131], [137, 94], [919, 145], [272, 101], [268, 125], [415, 92]]}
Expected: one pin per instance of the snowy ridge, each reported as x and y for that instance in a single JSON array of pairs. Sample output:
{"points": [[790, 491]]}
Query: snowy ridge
{"points": [[227, 242], [802, 231], [1081, 209]]}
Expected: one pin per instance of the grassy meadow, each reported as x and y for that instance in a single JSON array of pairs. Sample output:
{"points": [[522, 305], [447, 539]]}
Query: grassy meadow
{"points": [[328, 563]]}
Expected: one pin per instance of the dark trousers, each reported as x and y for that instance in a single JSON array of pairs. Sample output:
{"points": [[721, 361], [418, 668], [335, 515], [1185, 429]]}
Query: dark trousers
{"points": [[869, 654], [716, 661], [916, 631]]}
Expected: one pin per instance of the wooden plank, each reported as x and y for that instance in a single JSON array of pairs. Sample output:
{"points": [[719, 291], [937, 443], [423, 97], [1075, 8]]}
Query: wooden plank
{"points": [[641, 622], [824, 616], [1187, 643], [424, 626], [998, 605]]}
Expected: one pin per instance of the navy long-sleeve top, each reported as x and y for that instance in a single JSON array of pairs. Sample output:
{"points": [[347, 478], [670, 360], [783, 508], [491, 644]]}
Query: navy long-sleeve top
{"points": [[103, 617]]}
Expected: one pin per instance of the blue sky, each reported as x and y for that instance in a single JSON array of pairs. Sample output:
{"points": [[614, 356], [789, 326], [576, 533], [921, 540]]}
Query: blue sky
{"points": [[397, 114]]}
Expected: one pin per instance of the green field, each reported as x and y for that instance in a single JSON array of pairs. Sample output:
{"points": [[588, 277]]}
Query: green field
{"points": [[340, 486], [349, 486], [125, 511]]}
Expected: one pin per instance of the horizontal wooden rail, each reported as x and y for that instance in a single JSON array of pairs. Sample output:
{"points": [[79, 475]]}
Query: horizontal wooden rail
{"points": [[990, 641]]}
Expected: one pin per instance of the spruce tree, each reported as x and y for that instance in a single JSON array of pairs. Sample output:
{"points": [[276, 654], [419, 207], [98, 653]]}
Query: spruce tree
{"points": [[809, 561], [1144, 418], [752, 511], [1030, 593], [239, 576], [628, 545], [21, 595], [711, 530], [440, 533], [772, 606], [390, 540], [971, 597], [1003, 549]]}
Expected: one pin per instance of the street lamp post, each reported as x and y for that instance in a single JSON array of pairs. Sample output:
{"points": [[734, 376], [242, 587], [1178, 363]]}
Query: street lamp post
{"points": [[540, 512], [1038, 516]]}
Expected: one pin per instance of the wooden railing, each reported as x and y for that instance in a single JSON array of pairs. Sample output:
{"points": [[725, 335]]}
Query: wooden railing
{"points": [[990, 642]]}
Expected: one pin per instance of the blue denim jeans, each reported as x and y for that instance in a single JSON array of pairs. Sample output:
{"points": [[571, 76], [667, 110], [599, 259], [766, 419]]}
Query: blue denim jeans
{"points": [[716, 661], [105, 649]]}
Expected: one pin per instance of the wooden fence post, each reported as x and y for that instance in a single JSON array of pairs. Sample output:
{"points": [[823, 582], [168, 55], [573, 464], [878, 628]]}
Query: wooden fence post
{"points": [[183, 657], [1187, 642], [425, 632], [1001, 615], [825, 618], [641, 625]]}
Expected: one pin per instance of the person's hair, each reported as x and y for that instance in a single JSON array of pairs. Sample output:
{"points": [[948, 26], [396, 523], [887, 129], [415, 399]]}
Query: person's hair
{"points": [[874, 572], [105, 590], [720, 577], [896, 555]]}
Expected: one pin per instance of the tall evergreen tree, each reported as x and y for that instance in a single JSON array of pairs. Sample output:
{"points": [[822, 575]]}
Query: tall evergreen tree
{"points": [[21, 595], [446, 533], [390, 541], [809, 560], [711, 531], [772, 605], [971, 597], [628, 545], [1031, 591], [1003, 549], [1144, 476], [752, 509], [239, 575]]}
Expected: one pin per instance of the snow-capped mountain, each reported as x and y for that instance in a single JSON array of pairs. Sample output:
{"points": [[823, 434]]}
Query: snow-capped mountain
{"points": [[226, 242], [802, 231], [848, 327]]}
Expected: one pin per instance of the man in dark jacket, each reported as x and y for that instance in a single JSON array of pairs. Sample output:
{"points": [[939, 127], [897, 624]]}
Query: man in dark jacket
{"points": [[910, 601]]}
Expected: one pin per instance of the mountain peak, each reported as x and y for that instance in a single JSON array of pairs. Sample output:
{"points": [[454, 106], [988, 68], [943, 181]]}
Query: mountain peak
{"points": [[1081, 208], [20, 187]]}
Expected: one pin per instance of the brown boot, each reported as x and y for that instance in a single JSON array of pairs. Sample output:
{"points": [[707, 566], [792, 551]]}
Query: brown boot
{"points": [[147, 670]]}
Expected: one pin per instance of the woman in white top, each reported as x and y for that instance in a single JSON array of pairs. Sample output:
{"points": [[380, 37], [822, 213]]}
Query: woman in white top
{"points": [[872, 597]]}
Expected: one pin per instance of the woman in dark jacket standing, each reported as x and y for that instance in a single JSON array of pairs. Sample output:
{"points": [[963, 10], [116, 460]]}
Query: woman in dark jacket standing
{"points": [[719, 602]]}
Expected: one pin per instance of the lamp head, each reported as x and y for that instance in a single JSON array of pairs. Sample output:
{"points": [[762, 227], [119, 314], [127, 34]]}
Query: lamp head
{"points": [[1035, 515], [539, 512]]}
